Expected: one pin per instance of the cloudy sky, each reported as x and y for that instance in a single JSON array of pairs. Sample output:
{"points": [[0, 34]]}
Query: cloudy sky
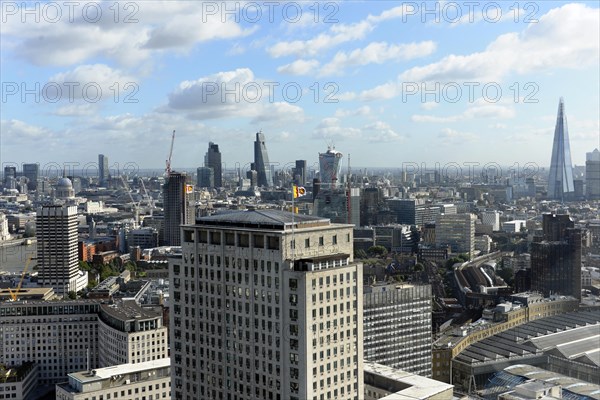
{"points": [[388, 82]]}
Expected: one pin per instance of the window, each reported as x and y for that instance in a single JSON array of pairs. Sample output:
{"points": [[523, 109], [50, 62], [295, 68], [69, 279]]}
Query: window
{"points": [[307, 243], [321, 241], [334, 239], [293, 284]]}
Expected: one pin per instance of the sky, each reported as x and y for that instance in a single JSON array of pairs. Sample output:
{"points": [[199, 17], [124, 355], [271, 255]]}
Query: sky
{"points": [[386, 82]]}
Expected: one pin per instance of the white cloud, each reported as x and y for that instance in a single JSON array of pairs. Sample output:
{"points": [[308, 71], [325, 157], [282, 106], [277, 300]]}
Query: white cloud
{"points": [[153, 27], [97, 81], [15, 131], [456, 137], [231, 94], [361, 111], [375, 132], [429, 105], [337, 34], [477, 110], [565, 37], [377, 53], [76, 110], [299, 67]]}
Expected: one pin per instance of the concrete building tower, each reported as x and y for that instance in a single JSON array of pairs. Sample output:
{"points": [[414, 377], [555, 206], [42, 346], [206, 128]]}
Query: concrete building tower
{"points": [[177, 208], [266, 305], [261, 161], [103, 171], [560, 180], [556, 257], [56, 230]]}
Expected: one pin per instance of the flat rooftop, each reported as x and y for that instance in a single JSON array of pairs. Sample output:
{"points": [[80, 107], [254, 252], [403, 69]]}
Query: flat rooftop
{"points": [[263, 219], [100, 374], [405, 384], [130, 310]]}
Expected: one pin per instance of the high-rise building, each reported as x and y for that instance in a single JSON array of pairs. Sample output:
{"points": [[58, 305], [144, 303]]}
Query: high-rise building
{"points": [[32, 173], [456, 231], [56, 230], [10, 171], [103, 171], [329, 167], [177, 206], [205, 177], [556, 257], [397, 326], [592, 175], [212, 159], [266, 304], [560, 180], [261, 162], [338, 205], [300, 172]]}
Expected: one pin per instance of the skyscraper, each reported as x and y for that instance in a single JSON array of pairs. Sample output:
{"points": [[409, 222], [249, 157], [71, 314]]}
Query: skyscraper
{"points": [[329, 167], [261, 161], [56, 229], [212, 159], [10, 171], [266, 305], [560, 180], [206, 177], [102, 170], [31, 172], [300, 172], [177, 208], [556, 257], [592, 175]]}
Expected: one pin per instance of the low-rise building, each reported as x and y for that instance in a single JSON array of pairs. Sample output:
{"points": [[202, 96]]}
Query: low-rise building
{"points": [[18, 382], [147, 380]]}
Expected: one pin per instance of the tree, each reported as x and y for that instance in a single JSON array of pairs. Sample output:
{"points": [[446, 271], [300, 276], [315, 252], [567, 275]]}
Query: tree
{"points": [[377, 251], [72, 295], [360, 253], [419, 267]]}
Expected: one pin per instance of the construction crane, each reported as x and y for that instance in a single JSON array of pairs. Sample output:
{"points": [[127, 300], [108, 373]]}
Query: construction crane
{"points": [[14, 295], [168, 168], [135, 205], [148, 198]]}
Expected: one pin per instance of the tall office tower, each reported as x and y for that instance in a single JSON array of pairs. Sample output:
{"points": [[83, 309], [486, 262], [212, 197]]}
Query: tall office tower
{"points": [[261, 162], [31, 172], [206, 177], [397, 326], [9, 172], [300, 172], [592, 175], [130, 334], [103, 171], [177, 208], [56, 335], [329, 167], [456, 231], [266, 305], [560, 180], [556, 257], [212, 159], [491, 218], [56, 229]]}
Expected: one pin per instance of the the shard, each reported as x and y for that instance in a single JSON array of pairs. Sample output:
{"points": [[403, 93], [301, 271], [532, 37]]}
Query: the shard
{"points": [[560, 180]]}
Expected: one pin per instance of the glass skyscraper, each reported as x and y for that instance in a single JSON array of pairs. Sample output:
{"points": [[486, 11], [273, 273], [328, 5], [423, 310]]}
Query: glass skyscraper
{"points": [[261, 162], [560, 180]]}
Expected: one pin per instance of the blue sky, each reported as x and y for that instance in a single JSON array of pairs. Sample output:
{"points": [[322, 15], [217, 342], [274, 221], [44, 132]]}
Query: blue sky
{"points": [[305, 73]]}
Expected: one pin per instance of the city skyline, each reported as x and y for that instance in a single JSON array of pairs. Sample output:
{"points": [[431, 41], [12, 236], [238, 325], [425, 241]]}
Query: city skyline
{"points": [[155, 79]]}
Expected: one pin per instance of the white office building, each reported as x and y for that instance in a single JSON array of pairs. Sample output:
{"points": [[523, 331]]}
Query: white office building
{"points": [[266, 305]]}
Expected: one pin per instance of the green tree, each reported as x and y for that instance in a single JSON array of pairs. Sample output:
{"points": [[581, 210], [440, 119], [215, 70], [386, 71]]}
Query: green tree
{"points": [[360, 253], [72, 295], [378, 251], [419, 267]]}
